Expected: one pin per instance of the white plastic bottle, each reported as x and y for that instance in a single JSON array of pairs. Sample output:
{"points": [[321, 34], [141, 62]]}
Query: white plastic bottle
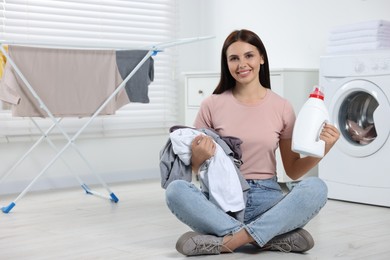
{"points": [[310, 120]]}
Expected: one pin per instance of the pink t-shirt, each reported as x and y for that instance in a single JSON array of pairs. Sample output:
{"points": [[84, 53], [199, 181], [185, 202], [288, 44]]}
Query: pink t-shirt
{"points": [[260, 126]]}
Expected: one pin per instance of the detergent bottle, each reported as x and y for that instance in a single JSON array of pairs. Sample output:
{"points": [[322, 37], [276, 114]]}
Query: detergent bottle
{"points": [[308, 125]]}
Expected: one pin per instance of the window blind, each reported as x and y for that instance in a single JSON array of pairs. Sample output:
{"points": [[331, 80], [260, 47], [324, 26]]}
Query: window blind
{"points": [[116, 24]]}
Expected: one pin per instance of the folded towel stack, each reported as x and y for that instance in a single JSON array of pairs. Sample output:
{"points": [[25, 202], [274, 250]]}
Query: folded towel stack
{"points": [[363, 36]]}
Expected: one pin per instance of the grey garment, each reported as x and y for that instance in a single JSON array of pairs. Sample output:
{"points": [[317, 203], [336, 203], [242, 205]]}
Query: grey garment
{"points": [[137, 87], [172, 168], [235, 144]]}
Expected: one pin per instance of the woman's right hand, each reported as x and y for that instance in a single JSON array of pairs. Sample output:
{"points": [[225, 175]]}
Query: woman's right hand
{"points": [[202, 148]]}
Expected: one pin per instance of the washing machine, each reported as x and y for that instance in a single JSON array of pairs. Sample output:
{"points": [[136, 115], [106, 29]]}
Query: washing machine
{"points": [[357, 94]]}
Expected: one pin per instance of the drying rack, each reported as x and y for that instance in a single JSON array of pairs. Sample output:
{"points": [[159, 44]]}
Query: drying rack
{"points": [[70, 140]]}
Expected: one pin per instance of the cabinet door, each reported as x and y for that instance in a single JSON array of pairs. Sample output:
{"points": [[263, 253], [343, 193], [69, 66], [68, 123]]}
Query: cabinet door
{"points": [[198, 87]]}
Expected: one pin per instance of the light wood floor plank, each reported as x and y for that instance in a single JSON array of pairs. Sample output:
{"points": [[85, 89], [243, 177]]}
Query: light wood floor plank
{"points": [[68, 224]]}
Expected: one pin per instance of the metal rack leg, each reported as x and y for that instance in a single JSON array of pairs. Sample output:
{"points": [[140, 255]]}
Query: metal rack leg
{"points": [[25, 155], [112, 196]]}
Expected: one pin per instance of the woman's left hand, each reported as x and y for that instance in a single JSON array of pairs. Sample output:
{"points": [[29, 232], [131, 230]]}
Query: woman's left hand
{"points": [[329, 134]]}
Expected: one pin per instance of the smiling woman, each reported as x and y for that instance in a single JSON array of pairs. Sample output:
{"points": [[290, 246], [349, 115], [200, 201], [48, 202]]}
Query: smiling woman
{"points": [[98, 24], [243, 106]]}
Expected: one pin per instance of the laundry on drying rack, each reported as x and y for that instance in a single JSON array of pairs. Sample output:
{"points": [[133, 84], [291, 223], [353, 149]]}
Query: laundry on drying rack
{"points": [[363, 36], [73, 82], [98, 70], [137, 86]]}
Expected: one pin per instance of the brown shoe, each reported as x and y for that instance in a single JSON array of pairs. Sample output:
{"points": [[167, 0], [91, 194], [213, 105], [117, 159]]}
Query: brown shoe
{"points": [[298, 240], [193, 243]]}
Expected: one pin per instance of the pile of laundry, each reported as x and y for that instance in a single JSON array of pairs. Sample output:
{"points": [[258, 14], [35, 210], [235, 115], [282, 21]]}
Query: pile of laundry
{"points": [[362, 36]]}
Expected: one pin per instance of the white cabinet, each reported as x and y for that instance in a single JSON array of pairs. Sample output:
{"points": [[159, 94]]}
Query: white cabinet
{"points": [[293, 84], [197, 87]]}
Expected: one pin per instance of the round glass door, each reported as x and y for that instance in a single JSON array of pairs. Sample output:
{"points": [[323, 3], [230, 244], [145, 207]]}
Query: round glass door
{"points": [[359, 110], [356, 118]]}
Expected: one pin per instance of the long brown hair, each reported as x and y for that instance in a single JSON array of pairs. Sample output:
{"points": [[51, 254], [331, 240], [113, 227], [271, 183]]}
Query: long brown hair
{"points": [[227, 81]]}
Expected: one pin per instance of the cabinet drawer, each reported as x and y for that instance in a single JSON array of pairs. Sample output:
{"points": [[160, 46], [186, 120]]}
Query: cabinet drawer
{"points": [[200, 88]]}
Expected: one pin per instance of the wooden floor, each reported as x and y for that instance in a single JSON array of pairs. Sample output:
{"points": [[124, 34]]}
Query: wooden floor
{"points": [[69, 224]]}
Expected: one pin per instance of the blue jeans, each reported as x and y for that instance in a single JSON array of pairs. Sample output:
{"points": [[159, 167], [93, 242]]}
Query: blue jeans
{"points": [[268, 213]]}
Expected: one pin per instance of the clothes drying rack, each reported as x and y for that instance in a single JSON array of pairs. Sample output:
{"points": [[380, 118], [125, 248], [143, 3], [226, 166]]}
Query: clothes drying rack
{"points": [[70, 140]]}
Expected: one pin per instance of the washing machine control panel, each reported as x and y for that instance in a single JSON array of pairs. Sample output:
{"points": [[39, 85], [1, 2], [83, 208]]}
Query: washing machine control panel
{"points": [[367, 64], [372, 66]]}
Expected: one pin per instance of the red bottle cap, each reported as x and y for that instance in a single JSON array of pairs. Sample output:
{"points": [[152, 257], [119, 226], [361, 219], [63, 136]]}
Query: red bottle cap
{"points": [[317, 93]]}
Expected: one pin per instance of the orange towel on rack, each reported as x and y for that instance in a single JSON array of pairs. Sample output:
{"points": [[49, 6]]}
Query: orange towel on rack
{"points": [[3, 60], [70, 82]]}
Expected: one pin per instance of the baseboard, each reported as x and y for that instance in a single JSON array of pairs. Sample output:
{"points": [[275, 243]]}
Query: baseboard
{"points": [[9, 187]]}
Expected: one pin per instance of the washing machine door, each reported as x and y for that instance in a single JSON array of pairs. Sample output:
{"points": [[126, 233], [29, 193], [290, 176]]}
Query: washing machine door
{"points": [[360, 110]]}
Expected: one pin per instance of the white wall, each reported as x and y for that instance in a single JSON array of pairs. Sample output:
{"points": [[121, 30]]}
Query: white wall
{"points": [[294, 32]]}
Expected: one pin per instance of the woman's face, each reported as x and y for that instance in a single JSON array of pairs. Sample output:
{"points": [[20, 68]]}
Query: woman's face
{"points": [[244, 62]]}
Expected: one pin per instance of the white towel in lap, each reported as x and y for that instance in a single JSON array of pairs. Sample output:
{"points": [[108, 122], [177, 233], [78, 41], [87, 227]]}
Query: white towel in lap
{"points": [[181, 143], [223, 183]]}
